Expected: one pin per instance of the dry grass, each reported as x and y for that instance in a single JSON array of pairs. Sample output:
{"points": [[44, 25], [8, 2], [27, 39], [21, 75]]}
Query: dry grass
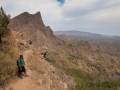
{"points": [[8, 58], [36, 63]]}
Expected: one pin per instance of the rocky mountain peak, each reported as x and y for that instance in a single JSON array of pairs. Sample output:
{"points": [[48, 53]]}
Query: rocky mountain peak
{"points": [[26, 18], [32, 28]]}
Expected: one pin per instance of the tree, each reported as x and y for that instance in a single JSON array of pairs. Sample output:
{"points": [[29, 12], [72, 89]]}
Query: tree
{"points": [[4, 21]]}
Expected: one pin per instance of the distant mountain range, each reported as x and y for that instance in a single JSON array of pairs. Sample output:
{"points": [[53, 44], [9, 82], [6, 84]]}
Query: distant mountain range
{"points": [[83, 35]]}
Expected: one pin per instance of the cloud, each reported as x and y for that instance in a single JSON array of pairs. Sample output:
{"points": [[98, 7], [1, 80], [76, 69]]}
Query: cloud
{"points": [[84, 15]]}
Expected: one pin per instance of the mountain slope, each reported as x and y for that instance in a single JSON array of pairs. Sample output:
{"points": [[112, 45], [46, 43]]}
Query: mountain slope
{"points": [[42, 75], [83, 61], [43, 79]]}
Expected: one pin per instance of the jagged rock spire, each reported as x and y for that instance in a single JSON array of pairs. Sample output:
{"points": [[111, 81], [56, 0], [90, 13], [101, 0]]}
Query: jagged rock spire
{"points": [[26, 18], [33, 28]]}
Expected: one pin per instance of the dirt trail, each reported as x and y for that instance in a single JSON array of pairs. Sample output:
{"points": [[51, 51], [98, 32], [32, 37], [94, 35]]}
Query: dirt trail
{"points": [[26, 83], [42, 75]]}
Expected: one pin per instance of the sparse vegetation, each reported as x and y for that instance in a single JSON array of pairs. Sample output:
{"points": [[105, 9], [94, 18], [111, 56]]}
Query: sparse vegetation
{"points": [[4, 21], [8, 57], [7, 65], [96, 60]]}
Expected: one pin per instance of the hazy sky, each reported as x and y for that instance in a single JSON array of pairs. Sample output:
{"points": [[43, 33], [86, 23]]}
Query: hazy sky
{"points": [[96, 16]]}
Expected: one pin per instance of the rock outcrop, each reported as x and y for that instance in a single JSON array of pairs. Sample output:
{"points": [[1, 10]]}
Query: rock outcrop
{"points": [[32, 28]]}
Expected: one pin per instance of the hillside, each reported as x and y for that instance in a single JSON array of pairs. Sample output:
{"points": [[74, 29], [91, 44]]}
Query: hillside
{"points": [[32, 43], [97, 55], [69, 63]]}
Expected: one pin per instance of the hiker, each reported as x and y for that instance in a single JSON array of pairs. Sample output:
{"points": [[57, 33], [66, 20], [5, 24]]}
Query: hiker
{"points": [[21, 66]]}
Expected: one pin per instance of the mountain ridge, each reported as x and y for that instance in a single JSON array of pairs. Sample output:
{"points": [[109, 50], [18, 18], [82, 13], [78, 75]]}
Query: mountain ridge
{"points": [[75, 32], [86, 36], [33, 28]]}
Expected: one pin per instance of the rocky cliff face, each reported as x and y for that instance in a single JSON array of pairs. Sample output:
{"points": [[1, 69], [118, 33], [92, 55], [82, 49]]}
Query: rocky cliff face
{"points": [[31, 27]]}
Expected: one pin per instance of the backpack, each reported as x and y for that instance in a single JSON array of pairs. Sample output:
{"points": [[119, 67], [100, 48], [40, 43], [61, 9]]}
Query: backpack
{"points": [[17, 63]]}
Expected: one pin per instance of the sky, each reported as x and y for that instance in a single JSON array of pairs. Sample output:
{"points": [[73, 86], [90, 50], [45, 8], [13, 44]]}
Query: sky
{"points": [[95, 16]]}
